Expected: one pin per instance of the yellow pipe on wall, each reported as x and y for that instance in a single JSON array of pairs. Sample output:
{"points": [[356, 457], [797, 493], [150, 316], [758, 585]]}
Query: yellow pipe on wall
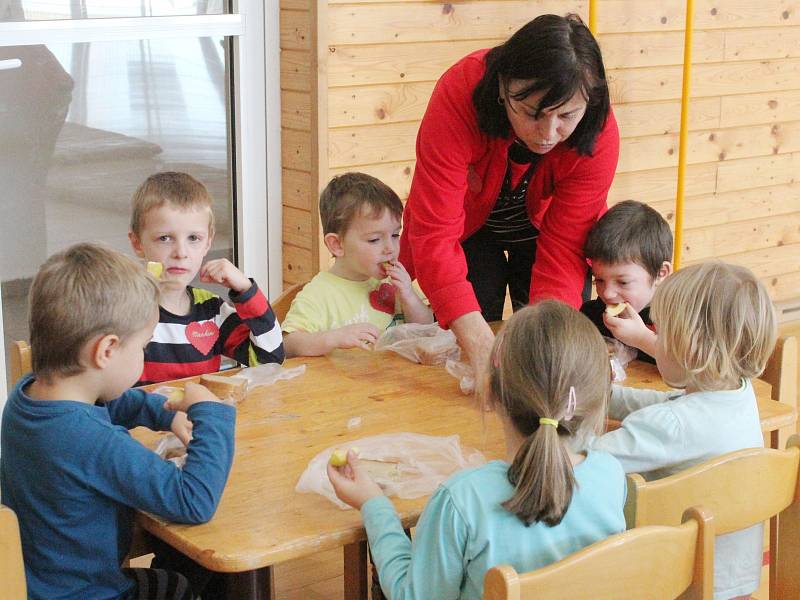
{"points": [[685, 91], [593, 17]]}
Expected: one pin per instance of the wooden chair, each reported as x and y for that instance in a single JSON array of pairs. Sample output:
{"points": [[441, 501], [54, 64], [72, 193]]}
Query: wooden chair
{"points": [[12, 569], [20, 360], [781, 374], [282, 303], [650, 563], [740, 489]]}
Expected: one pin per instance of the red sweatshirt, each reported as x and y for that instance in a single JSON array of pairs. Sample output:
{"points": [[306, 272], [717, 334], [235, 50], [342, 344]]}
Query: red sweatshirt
{"points": [[457, 179]]}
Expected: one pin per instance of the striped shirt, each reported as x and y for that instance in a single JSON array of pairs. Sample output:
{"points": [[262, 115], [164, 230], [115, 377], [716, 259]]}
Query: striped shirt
{"points": [[193, 344], [509, 219]]}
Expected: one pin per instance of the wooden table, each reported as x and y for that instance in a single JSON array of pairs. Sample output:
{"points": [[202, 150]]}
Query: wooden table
{"points": [[262, 521]]}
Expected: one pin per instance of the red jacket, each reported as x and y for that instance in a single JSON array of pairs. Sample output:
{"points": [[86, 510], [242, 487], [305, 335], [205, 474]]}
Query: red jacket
{"points": [[457, 179]]}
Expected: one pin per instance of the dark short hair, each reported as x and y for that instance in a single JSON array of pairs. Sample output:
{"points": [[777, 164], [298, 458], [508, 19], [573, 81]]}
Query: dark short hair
{"points": [[631, 232], [347, 195], [560, 57]]}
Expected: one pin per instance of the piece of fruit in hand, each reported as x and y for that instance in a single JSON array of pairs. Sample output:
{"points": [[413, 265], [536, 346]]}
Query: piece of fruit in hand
{"points": [[155, 268], [612, 310], [339, 456]]}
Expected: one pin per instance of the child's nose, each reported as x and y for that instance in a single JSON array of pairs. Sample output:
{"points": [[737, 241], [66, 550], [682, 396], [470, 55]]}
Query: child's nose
{"points": [[179, 249]]}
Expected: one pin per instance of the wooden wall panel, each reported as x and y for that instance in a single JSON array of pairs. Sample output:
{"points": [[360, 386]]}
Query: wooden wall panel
{"points": [[402, 22], [380, 59]]}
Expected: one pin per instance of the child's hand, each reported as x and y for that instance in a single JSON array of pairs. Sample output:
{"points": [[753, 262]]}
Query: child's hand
{"points": [[223, 272], [399, 278], [192, 394], [352, 483], [182, 428], [357, 335], [629, 328]]}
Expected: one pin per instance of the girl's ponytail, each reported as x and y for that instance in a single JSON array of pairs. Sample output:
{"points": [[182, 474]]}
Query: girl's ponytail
{"points": [[551, 376], [542, 476]]}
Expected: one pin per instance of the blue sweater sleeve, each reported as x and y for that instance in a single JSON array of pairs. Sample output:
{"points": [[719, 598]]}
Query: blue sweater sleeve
{"points": [[435, 561], [137, 408], [122, 469]]}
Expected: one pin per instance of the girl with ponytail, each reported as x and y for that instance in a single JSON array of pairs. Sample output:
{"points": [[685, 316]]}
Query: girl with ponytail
{"points": [[549, 380]]}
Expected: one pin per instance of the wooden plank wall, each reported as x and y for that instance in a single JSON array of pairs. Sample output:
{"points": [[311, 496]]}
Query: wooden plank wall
{"points": [[377, 62]]}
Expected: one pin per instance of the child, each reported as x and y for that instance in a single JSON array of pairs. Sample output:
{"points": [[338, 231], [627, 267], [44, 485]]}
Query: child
{"points": [[69, 468], [549, 381], [349, 306], [173, 224], [630, 249], [716, 331]]}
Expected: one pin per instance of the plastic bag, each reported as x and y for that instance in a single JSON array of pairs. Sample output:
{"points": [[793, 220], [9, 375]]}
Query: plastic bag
{"points": [[426, 344], [268, 374], [464, 373], [406, 465], [170, 448], [620, 355]]}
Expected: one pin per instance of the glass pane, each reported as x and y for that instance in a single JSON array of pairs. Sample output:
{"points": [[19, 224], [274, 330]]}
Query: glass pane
{"points": [[37, 10], [83, 125]]}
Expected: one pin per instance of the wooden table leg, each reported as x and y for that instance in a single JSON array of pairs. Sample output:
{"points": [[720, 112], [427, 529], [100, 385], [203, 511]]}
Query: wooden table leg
{"points": [[250, 585], [355, 571]]}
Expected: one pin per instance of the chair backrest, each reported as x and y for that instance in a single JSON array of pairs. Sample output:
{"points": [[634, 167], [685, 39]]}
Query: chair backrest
{"points": [[740, 489], [20, 360], [781, 370], [649, 563], [12, 569], [720, 484], [282, 303]]}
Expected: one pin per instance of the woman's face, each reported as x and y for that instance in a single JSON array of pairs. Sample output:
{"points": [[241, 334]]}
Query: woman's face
{"points": [[554, 125]]}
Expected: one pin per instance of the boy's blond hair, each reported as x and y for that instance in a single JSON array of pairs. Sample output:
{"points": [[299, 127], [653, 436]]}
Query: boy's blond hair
{"points": [[180, 190], [546, 355], [716, 321], [351, 194], [79, 293]]}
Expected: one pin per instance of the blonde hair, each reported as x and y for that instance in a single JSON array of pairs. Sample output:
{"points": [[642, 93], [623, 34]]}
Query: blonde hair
{"points": [[180, 190], [717, 322], [79, 293], [545, 351]]}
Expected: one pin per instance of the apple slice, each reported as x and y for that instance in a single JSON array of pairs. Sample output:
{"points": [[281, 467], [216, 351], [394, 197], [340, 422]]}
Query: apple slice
{"points": [[612, 310], [155, 268], [339, 456]]}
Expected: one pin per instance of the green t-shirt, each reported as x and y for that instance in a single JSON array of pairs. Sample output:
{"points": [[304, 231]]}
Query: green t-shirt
{"points": [[329, 302]]}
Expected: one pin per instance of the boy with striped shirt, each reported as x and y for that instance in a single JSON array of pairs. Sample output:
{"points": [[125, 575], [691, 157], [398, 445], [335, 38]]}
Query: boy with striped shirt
{"points": [[172, 223]]}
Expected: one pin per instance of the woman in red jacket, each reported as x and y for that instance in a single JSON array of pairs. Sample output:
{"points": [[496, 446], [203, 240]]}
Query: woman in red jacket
{"points": [[515, 156]]}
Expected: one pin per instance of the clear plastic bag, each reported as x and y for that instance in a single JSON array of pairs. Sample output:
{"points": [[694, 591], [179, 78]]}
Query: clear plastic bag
{"points": [[426, 344], [170, 448], [464, 373], [406, 465], [268, 374], [620, 355]]}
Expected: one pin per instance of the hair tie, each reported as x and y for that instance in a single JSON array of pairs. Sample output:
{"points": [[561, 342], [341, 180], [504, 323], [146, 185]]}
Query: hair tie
{"points": [[545, 421]]}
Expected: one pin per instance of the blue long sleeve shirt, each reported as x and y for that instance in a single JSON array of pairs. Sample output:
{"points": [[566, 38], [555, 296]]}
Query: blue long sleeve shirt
{"points": [[464, 531], [74, 477], [663, 433]]}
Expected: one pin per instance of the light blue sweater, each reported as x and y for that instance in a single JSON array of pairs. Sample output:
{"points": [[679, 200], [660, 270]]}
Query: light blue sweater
{"points": [[666, 432], [74, 476], [464, 531]]}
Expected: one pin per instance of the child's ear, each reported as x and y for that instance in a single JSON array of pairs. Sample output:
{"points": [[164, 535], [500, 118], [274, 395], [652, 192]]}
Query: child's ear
{"points": [[334, 244], [136, 244], [103, 349], [663, 272]]}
